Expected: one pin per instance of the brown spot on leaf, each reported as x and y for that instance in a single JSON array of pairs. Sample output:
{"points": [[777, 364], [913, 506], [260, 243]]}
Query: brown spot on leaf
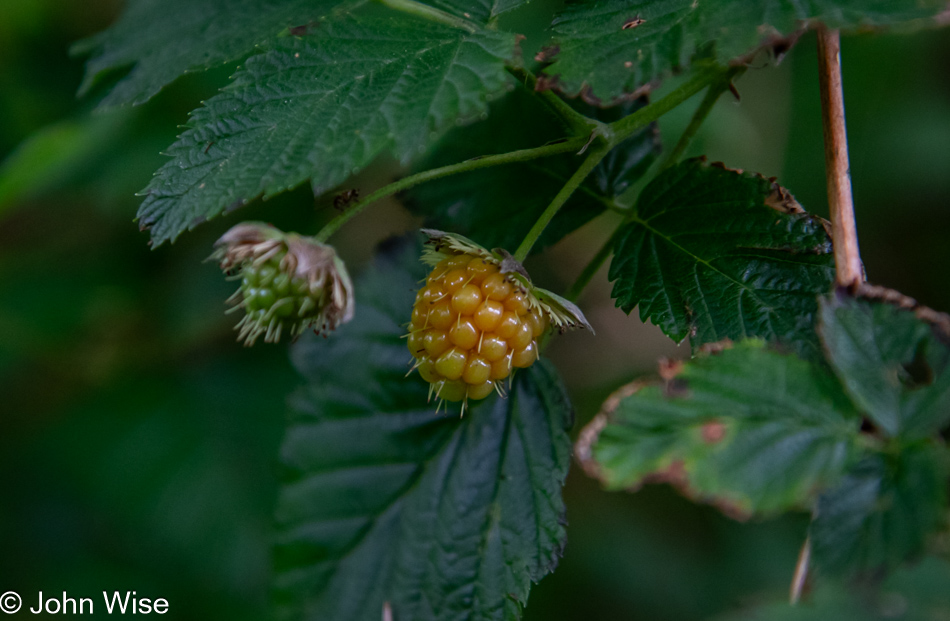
{"points": [[587, 94], [546, 83], [717, 347], [670, 368], [676, 388], [723, 166], [713, 432], [303, 29], [547, 53], [782, 200], [584, 448], [632, 23], [628, 64], [939, 322]]}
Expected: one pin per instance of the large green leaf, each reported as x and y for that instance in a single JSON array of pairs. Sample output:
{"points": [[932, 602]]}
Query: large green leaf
{"points": [[162, 39], [749, 429], [386, 500], [481, 11], [321, 107], [611, 47], [473, 204], [714, 253], [913, 593], [883, 511], [894, 363]]}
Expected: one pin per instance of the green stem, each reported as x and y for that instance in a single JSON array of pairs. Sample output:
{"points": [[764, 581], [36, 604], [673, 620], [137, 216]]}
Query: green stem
{"points": [[575, 121], [591, 268], [609, 137], [405, 183], [716, 89], [596, 154], [418, 9], [628, 125]]}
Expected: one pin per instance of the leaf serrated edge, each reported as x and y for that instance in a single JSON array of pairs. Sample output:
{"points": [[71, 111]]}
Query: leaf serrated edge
{"points": [[938, 322]]}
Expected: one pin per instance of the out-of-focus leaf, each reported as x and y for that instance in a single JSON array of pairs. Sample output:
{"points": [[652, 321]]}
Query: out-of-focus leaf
{"points": [[50, 154], [883, 511], [163, 39], [750, 430], [607, 48], [893, 363], [474, 203], [714, 253], [385, 500], [917, 593], [320, 107]]}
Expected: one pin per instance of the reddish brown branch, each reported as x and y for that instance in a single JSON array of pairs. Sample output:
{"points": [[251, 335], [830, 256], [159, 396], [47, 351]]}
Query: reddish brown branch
{"points": [[844, 231]]}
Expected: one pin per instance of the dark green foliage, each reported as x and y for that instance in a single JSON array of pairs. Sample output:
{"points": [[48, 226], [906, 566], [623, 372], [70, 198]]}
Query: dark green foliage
{"points": [[516, 194], [883, 511], [607, 48], [320, 107], [713, 253], [162, 39], [895, 365], [386, 500], [750, 430], [481, 11]]}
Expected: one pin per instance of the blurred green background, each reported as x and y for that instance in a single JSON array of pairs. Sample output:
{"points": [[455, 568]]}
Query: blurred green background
{"points": [[139, 440]]}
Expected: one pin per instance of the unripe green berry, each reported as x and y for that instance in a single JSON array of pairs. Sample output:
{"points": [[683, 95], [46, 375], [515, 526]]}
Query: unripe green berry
{"points": [[288, 283]]}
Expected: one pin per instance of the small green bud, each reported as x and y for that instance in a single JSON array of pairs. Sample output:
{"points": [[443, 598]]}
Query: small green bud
{"points": [[289, 283]]}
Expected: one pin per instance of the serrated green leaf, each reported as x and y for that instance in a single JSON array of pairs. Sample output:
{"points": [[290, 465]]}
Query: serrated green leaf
{"points": [[385, 500], [481, 11], [714, 253], [882, 512], [473, 204], [894, 364], [750, 430], [607, 48], [163, 39], [320, 107]]}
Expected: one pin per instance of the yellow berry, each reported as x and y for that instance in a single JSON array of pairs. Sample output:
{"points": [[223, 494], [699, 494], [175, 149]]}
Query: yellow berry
{"points": [[496, 287], [477, 371], [466, 300], [488, 315], [451, 364], [500, 369], [508, 326], [415, 343], [471, 326], [464, 334], [479, 269], [493, 347], [452, 391], [480, 391], [427, 371], [441, 316], [521, 338], [455, 279], [435, 343], [538, 322], [517, 303], [524, 358]]}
